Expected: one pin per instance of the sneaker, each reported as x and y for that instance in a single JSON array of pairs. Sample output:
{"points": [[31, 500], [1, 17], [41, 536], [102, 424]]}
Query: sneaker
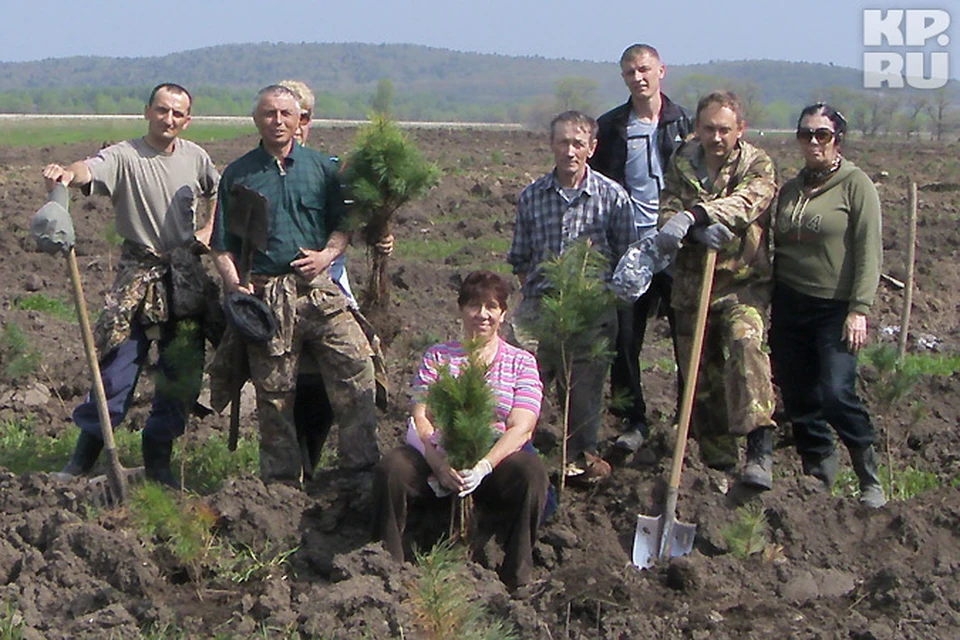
{"points": [[631, 440], [573, 470]]}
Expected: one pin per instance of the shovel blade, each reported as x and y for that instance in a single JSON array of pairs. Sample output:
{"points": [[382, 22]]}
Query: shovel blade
{"points": [[648, 540]]}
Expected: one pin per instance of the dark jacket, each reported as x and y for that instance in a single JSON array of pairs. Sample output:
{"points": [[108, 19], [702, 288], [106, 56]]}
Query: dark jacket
{"points": [[610, 158]]}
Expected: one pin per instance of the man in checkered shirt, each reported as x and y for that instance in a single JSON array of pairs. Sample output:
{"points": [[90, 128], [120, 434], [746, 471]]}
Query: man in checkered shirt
{"points": [[573, 203]]}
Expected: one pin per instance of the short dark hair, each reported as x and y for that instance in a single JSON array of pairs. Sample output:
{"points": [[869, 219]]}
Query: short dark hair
{"points": [[172, 87], [482, 285], [577, 118], [727, 99], [635, 50], [834, 116]]}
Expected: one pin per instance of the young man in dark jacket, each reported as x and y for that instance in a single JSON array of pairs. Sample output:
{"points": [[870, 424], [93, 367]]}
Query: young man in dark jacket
{"points": [[634, 145]]}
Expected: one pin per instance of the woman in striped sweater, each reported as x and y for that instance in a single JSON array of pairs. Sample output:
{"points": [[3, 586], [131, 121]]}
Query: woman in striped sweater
{"points": [[510, 480]]}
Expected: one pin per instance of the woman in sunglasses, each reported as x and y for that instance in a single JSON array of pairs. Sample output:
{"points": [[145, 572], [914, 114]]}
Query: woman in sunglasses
{"points": [[827, 267]]}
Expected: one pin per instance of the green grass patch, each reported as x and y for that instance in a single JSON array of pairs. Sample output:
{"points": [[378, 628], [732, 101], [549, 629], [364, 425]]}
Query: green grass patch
{"points": [[245, 565], [19, 360], [206, 464], [903, 484], [426, 249], [168, 631], [442, 603], [666, 364], [22, 450], [11, 622], [29, 132], [44, 304]]}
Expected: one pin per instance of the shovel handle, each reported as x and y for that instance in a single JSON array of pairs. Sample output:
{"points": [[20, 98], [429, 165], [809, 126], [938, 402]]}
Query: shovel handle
{"points": [[693, 369], [99, 394]]}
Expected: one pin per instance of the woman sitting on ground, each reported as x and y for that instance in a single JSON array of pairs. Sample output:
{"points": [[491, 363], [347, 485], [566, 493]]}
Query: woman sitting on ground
{"points": [[828, 253], [510, 480]]}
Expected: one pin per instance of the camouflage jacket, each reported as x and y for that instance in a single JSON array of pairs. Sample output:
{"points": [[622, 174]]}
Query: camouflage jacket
{"points": [[151, 289], [741, 198]]}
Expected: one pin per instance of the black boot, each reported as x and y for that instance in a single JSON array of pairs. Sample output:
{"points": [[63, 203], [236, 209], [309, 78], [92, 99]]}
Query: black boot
{"points": [[758, 472], [156, 461], [865, 466], [85, 455], [822, 467]]}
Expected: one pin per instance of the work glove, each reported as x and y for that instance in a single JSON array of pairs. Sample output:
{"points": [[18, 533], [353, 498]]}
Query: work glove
{"points": [[473, 477], [713, 235], [672, 233]]}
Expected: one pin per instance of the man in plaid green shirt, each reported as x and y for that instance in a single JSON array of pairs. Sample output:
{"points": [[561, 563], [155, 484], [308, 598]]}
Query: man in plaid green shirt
{"points": [[306, 212]]}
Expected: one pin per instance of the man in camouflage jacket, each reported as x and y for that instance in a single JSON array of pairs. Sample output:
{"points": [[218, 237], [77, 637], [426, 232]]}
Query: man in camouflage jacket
{"points": [[718, 194], [161, 292]]}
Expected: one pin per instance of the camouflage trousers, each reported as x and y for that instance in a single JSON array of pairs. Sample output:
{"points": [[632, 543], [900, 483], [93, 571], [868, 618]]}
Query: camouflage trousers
{"points": [[328, 332], [734, 388]]}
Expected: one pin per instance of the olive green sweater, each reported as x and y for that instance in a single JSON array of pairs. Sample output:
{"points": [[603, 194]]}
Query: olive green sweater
{"points": [[827, 240]]}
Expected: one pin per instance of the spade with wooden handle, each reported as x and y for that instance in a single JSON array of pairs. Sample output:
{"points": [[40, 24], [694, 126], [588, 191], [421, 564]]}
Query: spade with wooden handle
{"points": [[52, 237], [664, 536]]}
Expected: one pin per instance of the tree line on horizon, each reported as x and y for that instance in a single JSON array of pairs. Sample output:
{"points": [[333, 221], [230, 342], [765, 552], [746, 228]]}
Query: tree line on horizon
{"points": [[429, 84]]}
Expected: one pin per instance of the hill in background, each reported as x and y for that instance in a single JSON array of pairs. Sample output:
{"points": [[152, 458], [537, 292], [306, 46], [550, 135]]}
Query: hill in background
{"points": [[425, 83]]}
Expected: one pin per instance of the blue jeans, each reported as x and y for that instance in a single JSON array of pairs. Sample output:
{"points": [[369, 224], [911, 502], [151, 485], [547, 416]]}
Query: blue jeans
{"points": [[120, 369], [816, 372]]}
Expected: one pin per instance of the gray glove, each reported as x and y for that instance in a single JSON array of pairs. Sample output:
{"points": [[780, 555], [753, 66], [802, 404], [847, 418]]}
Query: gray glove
{"points": [[713, 236], [672, 233]]}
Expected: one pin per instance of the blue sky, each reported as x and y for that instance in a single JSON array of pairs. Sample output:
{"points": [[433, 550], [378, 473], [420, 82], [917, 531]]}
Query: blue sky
{"points": [[689, 31]]}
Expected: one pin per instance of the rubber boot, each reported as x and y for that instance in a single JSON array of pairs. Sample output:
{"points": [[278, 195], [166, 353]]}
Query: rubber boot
{"points": [[865, 466], [822, 467], [85, 455], [758, 472], [156, 461]]}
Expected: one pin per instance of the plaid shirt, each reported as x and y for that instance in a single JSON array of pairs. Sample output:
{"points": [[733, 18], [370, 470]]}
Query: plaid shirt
{"points": [[547, 223], [304, 199]]}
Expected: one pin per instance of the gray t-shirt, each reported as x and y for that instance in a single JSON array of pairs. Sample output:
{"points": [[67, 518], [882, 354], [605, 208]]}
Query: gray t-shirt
{"points": [[154, 194], [643, 173]]}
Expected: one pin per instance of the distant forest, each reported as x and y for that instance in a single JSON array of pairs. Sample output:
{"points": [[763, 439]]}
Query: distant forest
{"points": [[430, 84]]}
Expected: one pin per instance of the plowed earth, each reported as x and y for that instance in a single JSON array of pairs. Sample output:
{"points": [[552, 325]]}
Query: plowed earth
{"points": [[831, 568]]}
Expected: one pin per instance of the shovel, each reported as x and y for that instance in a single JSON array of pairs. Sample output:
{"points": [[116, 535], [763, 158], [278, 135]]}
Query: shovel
{"points": [[664, 536], [248, 219], [110, 489]]}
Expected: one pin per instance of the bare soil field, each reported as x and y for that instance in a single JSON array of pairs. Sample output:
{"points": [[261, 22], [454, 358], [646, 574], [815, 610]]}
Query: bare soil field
{"points": [[830, 569]]}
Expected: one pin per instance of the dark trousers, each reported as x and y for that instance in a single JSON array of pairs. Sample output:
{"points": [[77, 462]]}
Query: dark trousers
{"points": [[587, 379], [816, 372], [313, 417], [632, 321], [515, 492], [120, 369]]}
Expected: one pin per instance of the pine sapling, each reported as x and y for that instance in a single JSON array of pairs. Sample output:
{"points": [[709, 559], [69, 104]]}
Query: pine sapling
{"points": [[566, 322], [383, 172]]}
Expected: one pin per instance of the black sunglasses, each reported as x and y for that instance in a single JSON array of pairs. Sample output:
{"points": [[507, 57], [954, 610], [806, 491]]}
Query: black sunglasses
{"points": [[821, 135]]}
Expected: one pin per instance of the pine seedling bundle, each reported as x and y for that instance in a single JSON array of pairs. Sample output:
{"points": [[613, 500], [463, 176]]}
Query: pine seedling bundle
{"points": [[383, 172], [463, 410]]}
